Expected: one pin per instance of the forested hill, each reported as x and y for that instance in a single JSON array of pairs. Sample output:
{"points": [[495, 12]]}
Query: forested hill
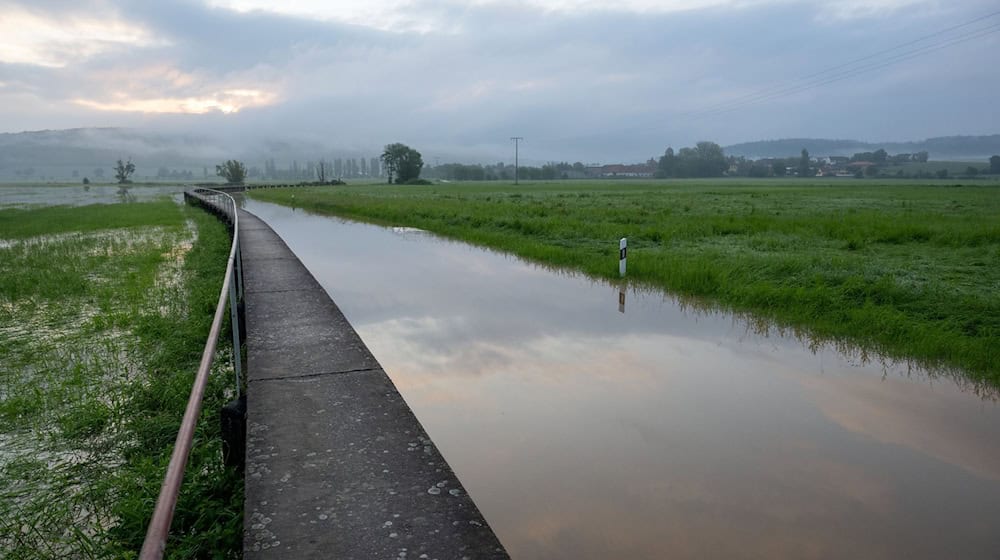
{"points": [[82, 152], [91, 152], [940, 148]]}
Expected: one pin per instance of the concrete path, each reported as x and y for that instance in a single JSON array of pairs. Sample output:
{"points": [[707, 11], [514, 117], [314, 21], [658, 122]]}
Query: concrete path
{"points": [[337, 464]]}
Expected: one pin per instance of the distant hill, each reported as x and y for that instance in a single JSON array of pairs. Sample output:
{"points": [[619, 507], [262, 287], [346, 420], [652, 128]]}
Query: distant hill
{"points": [[70, 155], [942, 148], [58, 154]]}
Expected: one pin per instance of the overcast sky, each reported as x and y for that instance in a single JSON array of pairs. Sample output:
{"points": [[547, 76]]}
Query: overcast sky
{"points": [[579, 79]]}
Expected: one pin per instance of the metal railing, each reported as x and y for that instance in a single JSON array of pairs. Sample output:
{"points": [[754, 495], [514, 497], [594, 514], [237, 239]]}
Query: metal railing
{"points": [[232, 291]]}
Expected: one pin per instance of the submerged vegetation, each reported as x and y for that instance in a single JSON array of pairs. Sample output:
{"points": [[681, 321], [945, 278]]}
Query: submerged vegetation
{"points": [[105, 309], [910, 271]]}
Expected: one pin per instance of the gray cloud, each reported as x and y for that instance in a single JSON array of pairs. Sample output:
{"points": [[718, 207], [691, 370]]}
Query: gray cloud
{"points": [[579, 85]]}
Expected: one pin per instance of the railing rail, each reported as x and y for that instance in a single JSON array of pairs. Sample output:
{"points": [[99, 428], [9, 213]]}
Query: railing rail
{"points": [[232, 290]]}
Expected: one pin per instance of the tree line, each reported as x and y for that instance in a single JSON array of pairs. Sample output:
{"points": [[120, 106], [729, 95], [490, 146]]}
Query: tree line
{"points": [[705, 159], [340, 168], [504, 172], [403, 164]]}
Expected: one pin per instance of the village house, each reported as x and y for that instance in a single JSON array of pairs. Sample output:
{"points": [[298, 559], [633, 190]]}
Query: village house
{"points": [[622, 170]]}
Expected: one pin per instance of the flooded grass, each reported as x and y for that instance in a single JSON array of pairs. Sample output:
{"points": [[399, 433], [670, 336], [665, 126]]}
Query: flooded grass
{"points": [[910, 271], [103, 314], [23, 223]]}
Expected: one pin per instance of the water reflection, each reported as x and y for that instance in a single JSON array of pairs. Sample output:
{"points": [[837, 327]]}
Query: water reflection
{"points": [[671, 430], [125, 194]]}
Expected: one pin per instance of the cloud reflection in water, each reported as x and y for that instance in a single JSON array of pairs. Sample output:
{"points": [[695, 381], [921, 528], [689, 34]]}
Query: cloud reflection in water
{"points": [[582, 432]]}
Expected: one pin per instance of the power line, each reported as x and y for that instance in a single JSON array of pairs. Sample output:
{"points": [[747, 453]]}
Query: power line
{"points": [[852, 62], [846, 70], [768, 95]]}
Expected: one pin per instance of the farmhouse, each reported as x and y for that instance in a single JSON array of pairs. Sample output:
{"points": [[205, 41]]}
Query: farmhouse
{"points": [[622, 170]]}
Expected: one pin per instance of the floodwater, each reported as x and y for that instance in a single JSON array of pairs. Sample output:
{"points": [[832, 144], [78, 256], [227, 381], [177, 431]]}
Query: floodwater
{"points": [[662, 432], [18, 195]]}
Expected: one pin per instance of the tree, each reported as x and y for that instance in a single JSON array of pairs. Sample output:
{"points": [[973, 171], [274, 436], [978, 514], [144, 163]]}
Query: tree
{"points": [[706, 159], [995, 165], [321, 171], [778, 168], [402, 161], [410, 166], [804, 163], [711, 160], [667, 165], [123, 170], [921, 157], [233, 171]]}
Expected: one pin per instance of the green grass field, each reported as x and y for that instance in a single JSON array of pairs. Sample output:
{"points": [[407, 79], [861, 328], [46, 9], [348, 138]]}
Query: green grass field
{"points": [[955, 168], [908, 270], [105, 310]]}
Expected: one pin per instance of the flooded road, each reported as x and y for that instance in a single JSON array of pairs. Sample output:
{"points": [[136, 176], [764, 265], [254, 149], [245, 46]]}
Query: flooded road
{"points": [[663, 431]]}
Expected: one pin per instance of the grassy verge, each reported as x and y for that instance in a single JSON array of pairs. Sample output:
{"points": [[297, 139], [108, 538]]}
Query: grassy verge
{"points": [[104, 311], [911, 271]]}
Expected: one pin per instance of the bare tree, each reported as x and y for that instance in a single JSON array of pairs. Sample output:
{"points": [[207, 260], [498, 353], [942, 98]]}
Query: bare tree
{"points": [[321, 171]]}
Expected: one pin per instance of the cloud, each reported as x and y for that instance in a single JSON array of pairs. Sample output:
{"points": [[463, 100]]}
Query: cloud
{"points": [[41, 40], [164, 88], [865, 9], [425, 16], [580, 80], [229, 101]]}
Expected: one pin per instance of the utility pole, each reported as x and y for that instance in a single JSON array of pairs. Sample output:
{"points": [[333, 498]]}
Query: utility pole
{"points": [[516, 139]]}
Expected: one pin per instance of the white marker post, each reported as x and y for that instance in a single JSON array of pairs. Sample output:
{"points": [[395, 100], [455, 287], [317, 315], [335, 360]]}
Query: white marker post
{"points": [[622, 250]]}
